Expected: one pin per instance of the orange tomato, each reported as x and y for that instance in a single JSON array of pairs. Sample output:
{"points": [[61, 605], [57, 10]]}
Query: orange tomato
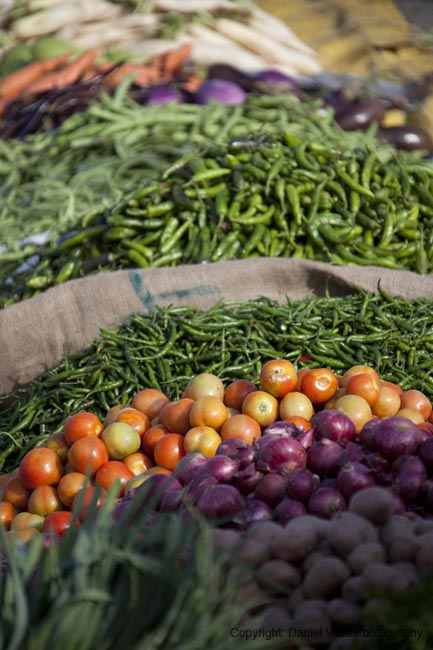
{"points": [[208, 411], [204, 384], [330, 403], [135, 418], [69, 485], [114, 412], [299, 422], [120, 440], [391, 384], [261, 406], [243, 427], [87, 455], [427, 426], [169, 450], [236, 392], [364, 385], [320, 384], [44, 500], [80, 425], [88, 497], [40, 466], [203, 439], [114, 471], [358, 369], [7, 513], [278, 377], [415, 399], [150, 402], [301, 374], [175, 415], [16, 494], [24, 520], [388, 403], [151, 437], [356, 408], [57, 443], [22, 535], [57, 523], [138, 463], [296, 403], [411, 414]]}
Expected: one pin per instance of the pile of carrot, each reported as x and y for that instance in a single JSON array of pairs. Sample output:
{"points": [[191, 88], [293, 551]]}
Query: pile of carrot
{"points": [[60, 72]]}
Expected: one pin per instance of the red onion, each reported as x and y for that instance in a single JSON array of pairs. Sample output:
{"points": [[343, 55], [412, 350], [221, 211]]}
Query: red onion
{"points": [[282, 455], [245, 457], [121, 508], [428, 496], [198, 485], [265, 440], [253, 510], [407, 462], [231, 447], [301, 483], [283, 428], [220, 502], [171, 501], [323, 457], [377, 463], [409, 484], [230, 73], [353, 477], [221, 467], [425, 452], [220, 90], [154, 488], [333, 425], [326, 502], [288, 509], [275, 78], [352, 452], [160, 95], [399, 504], [189, 466], [396, 436], [271, 488], [366, 437], [247, 479], [306, 438]]}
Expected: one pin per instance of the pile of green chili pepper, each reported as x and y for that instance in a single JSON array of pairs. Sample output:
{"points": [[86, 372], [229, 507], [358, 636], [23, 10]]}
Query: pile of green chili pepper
{"points": [[167, 347], [249, 198]]}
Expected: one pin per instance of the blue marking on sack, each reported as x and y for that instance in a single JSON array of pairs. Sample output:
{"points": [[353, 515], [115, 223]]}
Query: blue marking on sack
{"points": [[149, 300]]}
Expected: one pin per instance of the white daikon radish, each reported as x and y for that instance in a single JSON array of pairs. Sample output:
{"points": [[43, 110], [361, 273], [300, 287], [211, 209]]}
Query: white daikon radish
{"points": [[207, 53], [263, 21]]}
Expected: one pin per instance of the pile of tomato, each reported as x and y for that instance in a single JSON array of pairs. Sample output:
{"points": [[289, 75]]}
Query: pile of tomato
{"points": [[150, 435]]}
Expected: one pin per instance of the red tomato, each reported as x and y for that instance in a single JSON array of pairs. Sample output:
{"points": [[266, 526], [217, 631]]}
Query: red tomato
{"points": [[87, 455], [112, 472], [411, 414], [57, 443], [356, 408], [320, 384], [203, 439], [40, 466], [427, 426], [236, 392], [150, 401], [114, 412], [151, 437], [175, 415], [299, 422], [169, 450], [138, 463], [391, 384], [208, 411], [24, 520], [388, 403], [204, 384], [69, 485], [57, 523], [16, 494], [135, 418], [243, 427], [301, 374], [80, 425], [120, 440], [261, 406], [330, 403], [296, 403], [4, 480], [44, 500], [356, 370], [364, 385], [7, 513], [415, 399], [278, 377], [90, 496]]}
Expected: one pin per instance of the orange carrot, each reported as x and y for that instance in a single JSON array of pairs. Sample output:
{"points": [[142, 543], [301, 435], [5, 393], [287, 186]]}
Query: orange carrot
{"points": [[67, 75], [144, 74], [192, 83], [169, 63], [12, 85]]}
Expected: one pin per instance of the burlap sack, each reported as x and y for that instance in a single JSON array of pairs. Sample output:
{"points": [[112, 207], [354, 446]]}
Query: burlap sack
{"points": [[36, 334]]}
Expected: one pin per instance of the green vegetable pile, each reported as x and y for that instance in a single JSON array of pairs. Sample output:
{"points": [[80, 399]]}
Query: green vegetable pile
{"points": [[167, 347]]}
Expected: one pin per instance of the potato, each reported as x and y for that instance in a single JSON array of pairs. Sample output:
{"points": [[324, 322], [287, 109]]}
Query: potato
{"points": [[423, 526], [276, 617], [252, 552], [296, 540], [343, 614], [295, 599], [276, 576], [403, 549], [354, 590], [342, 643], [311, 621], [264, 531], [377, 608], [410, 570], [313, 558], [365, 554], [374, 503], [424, 558], [325, 578], [396, 527], [226, 539], [378, 575], [347, 530], [313, 603]]}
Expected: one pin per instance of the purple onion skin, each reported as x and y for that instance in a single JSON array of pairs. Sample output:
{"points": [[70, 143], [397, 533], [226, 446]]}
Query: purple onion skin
{"points": [[121, 508], [306, 438], [396, 436], [330, 481], [377, 463], [410, 479], [189, 466], [220, 90], [407, 462], [253, 510], [425, 452], [366, 437], [281, 427], [245, 457], [323, 457], [301, 484], [220, 503], [352, 452], [246, 479], [221, 467], [154, 489], [231, 447], [334, 425], [399, 504], [428, 496], [198, 485], [282, 455], [353, 477], [271, 488], [289, 509], [171, 501], [325, 502], [160, 95]]}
